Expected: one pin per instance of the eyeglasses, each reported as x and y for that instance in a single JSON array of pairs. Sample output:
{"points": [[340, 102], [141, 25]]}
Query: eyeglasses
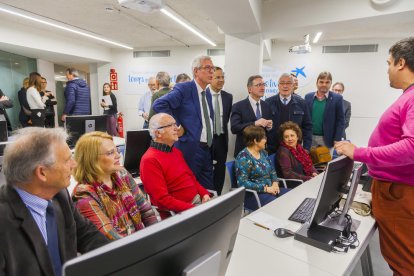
{"points": [[338, 90], [208, 68], [169, 125], [260, 84], [285, 83], [111, 152]]}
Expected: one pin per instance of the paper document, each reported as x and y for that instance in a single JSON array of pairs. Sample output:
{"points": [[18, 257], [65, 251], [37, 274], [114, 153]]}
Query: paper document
{"points": [[106, 99], [268, 221]]}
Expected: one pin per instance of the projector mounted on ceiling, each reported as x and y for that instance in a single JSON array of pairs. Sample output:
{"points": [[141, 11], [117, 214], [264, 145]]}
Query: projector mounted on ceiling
{"points": [[146, 6], [302, 49]]}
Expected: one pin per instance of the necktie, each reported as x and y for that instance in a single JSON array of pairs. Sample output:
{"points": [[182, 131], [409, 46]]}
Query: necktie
{"points": [[217, 117], [206, 118], [258, 115], [52, 239], [284, 101]]}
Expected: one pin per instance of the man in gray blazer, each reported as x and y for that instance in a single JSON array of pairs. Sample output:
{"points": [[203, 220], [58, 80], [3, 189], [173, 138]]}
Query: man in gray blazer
{"points": [[339, 88], [40, 229]]}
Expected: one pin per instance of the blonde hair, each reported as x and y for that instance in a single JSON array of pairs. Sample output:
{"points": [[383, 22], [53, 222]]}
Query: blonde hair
{"points": [[86, 155]]}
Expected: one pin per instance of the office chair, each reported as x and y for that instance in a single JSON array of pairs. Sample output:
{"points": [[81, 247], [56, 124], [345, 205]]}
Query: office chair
{"points": [[249, 207], [288, 183]]}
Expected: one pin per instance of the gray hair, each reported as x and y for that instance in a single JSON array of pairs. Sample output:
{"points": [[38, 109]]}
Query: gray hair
{"points": [[154, 124], [252, 78], [163, 79], [284, 75], [34, 146], [197, 62], [73, 71]]}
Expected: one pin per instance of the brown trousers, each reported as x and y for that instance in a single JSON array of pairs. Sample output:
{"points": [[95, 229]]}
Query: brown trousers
{"points": [[393, 209]]}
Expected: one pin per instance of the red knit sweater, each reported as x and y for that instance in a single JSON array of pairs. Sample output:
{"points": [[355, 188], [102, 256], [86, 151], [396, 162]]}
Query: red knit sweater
{"points": [[168, 180]]}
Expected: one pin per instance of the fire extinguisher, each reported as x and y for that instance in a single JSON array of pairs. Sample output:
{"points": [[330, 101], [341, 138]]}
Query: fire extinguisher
{"points": [[120, 125]]}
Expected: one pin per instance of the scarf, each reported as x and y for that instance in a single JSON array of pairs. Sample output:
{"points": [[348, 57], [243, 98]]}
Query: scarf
{"points": [[302, 156], [117, 201]]}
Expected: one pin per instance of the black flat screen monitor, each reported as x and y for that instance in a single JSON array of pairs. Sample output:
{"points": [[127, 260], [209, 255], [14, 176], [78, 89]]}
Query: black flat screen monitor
{"points": [[136, 144], [172, 245], [77, 125], [334, 184]]}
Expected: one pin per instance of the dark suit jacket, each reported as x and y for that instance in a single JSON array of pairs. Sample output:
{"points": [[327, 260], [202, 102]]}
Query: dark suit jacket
{"points": [[23, 250], [333, 118], [227, 102], [3, 106], [184, 105], [298, 113], [347, 114], [243, 115]]}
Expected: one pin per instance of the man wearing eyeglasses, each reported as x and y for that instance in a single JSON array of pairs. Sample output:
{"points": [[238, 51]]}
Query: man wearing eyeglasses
{"points": [[250, 111], [286, 106], [191, 106], [167, 178]]}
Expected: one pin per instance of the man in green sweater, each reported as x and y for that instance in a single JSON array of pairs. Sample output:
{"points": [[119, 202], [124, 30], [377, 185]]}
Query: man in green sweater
{"points": [[162, 81]]}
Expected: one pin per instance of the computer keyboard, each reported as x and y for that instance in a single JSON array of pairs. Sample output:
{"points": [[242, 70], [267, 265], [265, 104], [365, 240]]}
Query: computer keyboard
{"points": [[304, 212]]}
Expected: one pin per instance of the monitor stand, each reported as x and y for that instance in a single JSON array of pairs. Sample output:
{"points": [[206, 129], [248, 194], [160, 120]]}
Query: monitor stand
{"points": [[319, 236]]}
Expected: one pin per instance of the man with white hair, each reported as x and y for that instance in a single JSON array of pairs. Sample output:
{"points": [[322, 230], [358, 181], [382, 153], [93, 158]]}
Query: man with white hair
{"points": [[144, 104], [167, 179], [286, 106], [191, 106], [40, 228], [77, 95]]}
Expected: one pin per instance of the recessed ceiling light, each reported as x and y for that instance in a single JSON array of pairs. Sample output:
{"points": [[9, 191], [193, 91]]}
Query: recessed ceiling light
{"points": [[173, 15], [51, 23]]}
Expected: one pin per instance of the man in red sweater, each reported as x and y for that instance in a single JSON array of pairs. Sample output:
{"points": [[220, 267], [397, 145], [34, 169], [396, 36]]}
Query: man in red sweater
{"points": [[167, 179]]}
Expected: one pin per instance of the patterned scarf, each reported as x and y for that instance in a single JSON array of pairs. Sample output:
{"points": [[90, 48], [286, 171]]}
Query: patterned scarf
{"points": [[117, 201], [302, 156]]}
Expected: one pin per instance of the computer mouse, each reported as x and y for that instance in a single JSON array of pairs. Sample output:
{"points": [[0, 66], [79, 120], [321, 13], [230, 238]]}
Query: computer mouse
{"points": [[283, 233]]}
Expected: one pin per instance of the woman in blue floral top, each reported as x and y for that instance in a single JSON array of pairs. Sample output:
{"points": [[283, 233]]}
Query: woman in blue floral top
{"points": [[254, 170]]}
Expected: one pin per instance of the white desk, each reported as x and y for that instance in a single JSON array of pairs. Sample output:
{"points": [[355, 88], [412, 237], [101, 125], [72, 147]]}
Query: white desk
{"points": [[282, 208]]}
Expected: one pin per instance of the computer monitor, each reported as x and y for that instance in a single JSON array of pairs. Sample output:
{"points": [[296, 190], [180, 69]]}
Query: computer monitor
{"points": [[320, 231], [136, 144], [171, 246], [77, 125]]}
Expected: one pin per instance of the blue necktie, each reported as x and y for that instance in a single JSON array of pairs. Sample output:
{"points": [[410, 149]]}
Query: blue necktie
{"points": [[258, 115], [52, 239], [284, 101]]}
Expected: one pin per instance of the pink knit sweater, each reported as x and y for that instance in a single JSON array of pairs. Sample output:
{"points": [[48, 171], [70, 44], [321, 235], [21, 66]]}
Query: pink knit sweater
{"points": [[390, 151]]}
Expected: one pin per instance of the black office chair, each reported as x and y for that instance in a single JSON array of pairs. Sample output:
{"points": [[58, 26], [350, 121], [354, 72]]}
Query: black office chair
{"points": [[288, 183]]}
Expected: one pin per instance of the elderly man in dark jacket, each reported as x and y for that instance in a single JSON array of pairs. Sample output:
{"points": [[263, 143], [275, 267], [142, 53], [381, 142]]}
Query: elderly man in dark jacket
{"points": [[40, 228], [77, 95]]}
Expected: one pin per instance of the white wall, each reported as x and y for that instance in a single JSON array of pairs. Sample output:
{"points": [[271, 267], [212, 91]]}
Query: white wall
{"points": [[364, 75], [126, 66]]}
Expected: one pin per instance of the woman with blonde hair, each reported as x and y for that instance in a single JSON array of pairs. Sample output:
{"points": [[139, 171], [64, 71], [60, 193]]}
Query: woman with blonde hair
{"points": [[106, 193]]}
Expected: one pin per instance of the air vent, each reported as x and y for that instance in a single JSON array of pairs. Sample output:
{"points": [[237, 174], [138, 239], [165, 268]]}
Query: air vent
{"points": [[141, 54], [215, 52], [368, 48]]}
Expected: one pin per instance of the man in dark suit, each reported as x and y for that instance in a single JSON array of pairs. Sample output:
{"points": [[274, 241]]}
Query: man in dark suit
{"points": [[327, 113], [191, 106], [339, 88], [250, 111], [287, 106], [40, 229], [222, 102]]}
